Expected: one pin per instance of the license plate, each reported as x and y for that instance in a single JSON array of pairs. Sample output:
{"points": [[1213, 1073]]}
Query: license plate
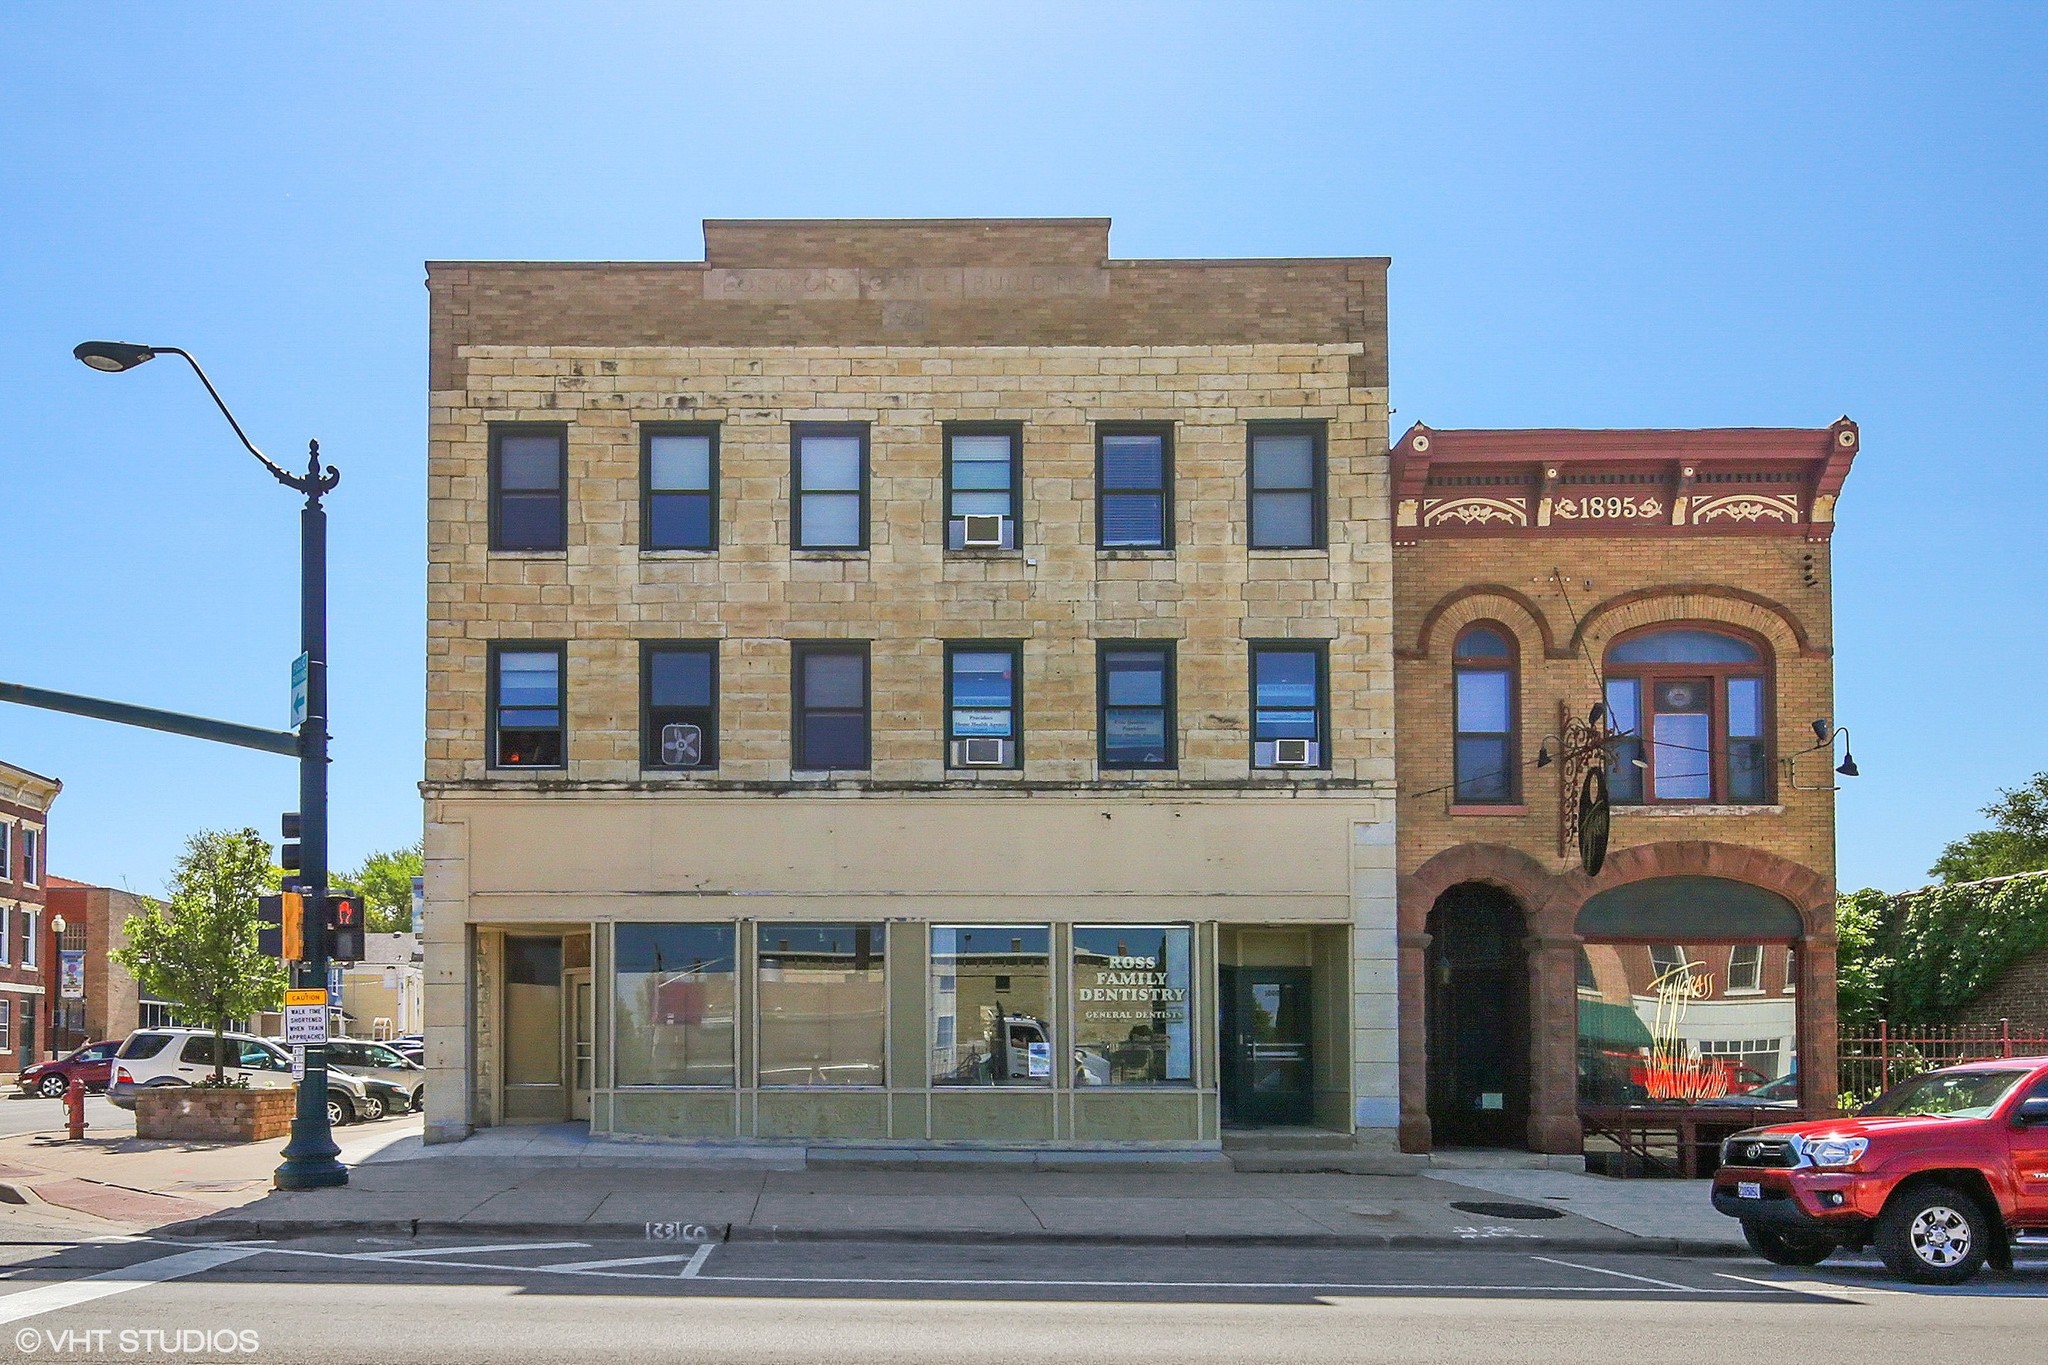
{"points": [[1748, 1189]]}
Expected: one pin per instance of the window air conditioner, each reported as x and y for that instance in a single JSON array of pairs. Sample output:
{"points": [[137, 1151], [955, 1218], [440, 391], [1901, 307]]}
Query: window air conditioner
{"points": [[982, 532], [981, 753], [1294, 753]]}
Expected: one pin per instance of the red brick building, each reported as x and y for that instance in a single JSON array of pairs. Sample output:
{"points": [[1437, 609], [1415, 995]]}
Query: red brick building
{"points": [[90, 996], [1678, 581], [25, 799]]}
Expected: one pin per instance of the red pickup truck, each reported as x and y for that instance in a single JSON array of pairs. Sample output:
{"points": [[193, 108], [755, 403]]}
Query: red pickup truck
{"points": [[1940, 1174]]}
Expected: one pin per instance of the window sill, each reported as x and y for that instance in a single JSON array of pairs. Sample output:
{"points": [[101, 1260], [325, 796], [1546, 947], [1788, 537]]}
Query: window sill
{"points": [[1741, 992], [679, 774], [680, 552], [530, 554], [1290, 552], [1134, 552], [836, 552], [983, 552], [1519, 809], [1672, 810]]}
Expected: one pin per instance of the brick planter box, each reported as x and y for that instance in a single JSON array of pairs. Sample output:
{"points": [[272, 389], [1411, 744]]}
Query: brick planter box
{"points": [[187, 1113]]}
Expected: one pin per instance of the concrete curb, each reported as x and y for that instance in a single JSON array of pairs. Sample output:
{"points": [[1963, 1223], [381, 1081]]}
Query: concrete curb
{"points": [[233, 1228]]}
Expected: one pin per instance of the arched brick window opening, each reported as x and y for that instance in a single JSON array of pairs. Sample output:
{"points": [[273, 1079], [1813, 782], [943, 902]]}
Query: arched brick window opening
{"points": [[1694, 703], [1485, 715]]}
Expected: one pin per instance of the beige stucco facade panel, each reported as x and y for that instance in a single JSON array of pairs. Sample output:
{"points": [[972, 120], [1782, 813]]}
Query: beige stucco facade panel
{"points": [[1045, 845]]}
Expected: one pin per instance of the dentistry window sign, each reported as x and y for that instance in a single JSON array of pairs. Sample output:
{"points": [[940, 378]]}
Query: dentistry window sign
{"points": [[1133, 1005]]}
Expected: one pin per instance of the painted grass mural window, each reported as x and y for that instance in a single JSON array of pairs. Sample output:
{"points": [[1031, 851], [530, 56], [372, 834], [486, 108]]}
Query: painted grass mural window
{"points": [[991, 1002], [675, 1004], [1656, 1020], [823, 1004], [1133, 1005]]}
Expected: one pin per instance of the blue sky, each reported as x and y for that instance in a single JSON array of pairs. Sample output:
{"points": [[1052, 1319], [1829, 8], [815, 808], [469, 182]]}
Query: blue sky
{"points": [[1599, 216]]}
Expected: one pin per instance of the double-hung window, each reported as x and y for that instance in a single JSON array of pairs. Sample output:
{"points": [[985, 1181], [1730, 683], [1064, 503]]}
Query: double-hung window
{"points": [[1134, 487], [983, 704], [31, 936], [1745, 968], [831, 684], [679, 487], [527, 726], [529, 487], [984, 463], [679, 700], [1287, 473], [31, 856], [6, 852], [1691, 706], [1134, 680], [1290, 706], [1483, 674], [830, 473]]}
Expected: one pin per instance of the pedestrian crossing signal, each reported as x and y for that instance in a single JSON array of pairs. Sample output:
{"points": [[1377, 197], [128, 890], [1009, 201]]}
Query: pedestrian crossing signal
{"points": [[345, 928]]}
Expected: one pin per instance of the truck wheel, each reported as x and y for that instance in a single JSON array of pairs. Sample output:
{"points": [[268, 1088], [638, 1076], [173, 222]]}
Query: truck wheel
{"points": [[1780, 1247], [1933, 1234]]}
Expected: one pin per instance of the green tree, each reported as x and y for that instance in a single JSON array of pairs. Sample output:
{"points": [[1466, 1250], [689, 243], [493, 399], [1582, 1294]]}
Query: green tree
{"points": [[2016, 842], [1863, 970], [384, 881], [198, 948]]}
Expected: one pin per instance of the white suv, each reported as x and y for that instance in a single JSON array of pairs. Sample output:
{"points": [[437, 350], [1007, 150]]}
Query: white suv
{"points": [[184, 1056]]}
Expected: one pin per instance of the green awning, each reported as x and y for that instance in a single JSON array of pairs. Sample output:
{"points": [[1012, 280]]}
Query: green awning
{"points": [[1689, 910], [1614, 1028]]}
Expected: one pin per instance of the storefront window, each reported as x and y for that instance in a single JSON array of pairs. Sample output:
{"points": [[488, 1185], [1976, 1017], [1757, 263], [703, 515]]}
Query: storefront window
{"points": [[675, 1004], [1133, 1010], [1684, 1023], [823, 1004], [991, 993]]}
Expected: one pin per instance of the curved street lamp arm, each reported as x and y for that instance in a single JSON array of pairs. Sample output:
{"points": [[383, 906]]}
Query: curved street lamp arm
{"points": [[312, 484]]}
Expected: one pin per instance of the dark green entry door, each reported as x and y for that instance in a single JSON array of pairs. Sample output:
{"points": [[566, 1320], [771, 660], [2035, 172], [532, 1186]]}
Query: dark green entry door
{"points": [[1478, 1020], [1267, 1073]]}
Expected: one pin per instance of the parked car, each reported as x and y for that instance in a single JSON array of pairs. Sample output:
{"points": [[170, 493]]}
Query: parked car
{"points": [[93, 1064], [1782, 1093], [360, 1057], [184, 1056], [1940, 1174]]}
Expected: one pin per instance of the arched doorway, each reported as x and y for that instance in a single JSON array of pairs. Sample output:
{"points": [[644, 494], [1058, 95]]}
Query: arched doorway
{"points": [[1478, 1013]]}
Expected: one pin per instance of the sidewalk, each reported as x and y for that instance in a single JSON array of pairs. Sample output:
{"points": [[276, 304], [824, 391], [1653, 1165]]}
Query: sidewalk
{"points": [[558, 1182]]}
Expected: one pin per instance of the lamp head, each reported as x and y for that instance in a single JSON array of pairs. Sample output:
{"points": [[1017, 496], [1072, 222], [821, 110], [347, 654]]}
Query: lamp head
{"points": [[1543, 755], [112, 357], [1848, 768], [1597, 714], [57, 924], [1820, 729]]}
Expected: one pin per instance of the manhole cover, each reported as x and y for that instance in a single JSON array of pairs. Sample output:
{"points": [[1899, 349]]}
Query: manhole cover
{"points": [[1488, 1210]]}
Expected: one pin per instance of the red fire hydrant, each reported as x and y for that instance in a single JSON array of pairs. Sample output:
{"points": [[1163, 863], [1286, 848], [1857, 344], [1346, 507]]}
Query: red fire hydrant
{"points": [[74, 1110]]}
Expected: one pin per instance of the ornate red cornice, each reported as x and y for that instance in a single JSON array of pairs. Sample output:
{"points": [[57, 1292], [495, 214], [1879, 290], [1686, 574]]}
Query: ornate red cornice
{"points": [[1548, 481]]}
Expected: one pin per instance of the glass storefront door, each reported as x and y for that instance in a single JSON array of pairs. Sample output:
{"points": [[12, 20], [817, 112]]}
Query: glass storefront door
{"points": [[1267, 1072], [582, 1041]]}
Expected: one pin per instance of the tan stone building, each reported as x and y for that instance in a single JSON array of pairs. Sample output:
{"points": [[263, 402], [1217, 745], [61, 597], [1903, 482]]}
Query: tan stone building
{"points": [[1678, 581], [911, 682]]}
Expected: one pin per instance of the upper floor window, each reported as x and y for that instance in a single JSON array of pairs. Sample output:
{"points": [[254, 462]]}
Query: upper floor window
{"points": [[1290, 707], [983, 474], [679, 487], [830, 468], [6, 851], [1483, 669], [529, 488], [1134, 487], [982, 706], [31, 855], [1694, 707], [679, 706], [1286, 485], [1746, 967], [1136, 687], [831, 683], [31, 936], [526, 706]]}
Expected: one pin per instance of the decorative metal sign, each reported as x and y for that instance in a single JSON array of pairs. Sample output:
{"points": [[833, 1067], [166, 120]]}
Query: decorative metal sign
{"points": [[1593, 819]]}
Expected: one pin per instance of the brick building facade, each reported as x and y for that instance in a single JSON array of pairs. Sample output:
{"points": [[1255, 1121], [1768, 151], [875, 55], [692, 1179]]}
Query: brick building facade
{"points": [[911, 682], [1681, 581], [25, 800], [109, 1004]]}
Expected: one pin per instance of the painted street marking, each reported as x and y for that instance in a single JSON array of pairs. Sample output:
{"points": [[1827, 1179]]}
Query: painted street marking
{"points": [[1492, 1232], [50, 1298], [1618, 1274], [695, 1261], [410, 1252]]}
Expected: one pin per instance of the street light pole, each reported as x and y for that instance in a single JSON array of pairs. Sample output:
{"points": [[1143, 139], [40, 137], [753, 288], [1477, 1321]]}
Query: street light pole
{"points": [[310, 1156]]}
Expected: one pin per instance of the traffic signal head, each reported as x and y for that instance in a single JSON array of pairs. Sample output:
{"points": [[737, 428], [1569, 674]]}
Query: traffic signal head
{"points": [[288, 851], [281, 931]]}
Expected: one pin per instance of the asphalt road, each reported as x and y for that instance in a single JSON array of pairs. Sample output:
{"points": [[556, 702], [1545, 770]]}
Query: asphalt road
{"points": [[450, 1302], [32, 1114]]}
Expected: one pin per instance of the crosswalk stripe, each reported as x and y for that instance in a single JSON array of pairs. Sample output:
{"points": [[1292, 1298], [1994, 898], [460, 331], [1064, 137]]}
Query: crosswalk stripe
{"points": [[51, 1298]]}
